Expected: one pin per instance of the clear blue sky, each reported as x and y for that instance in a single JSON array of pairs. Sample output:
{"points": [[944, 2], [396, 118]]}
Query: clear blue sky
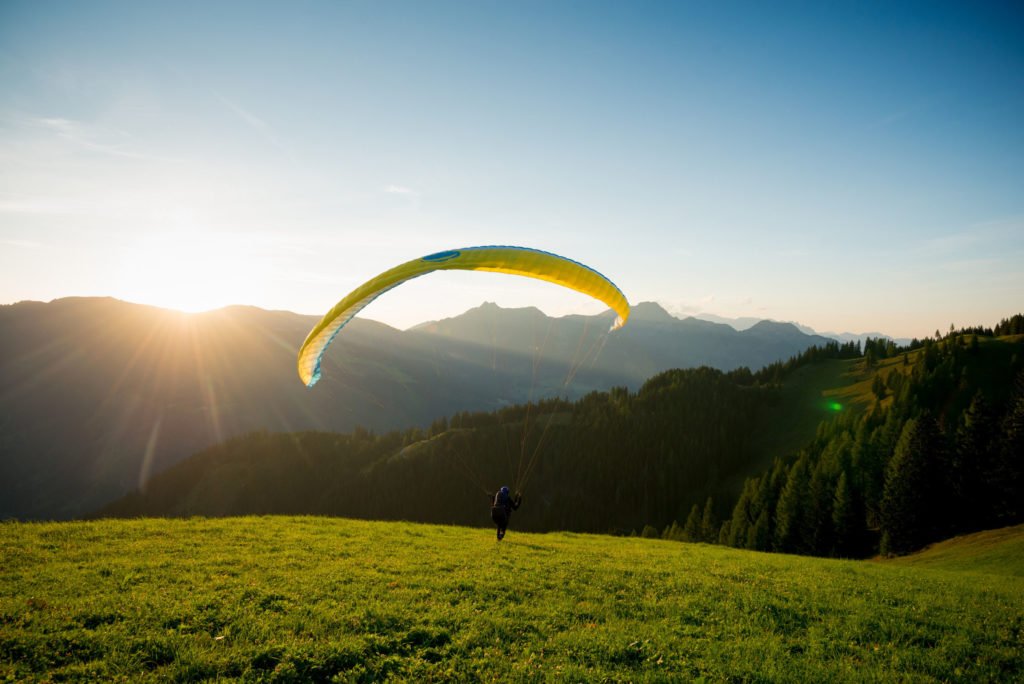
{"points": [[851, 166]]}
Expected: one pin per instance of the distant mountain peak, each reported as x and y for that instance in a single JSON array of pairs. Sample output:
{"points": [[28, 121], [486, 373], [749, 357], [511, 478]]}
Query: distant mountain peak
{"points": [[776, 326], [651, 312], [492, 308]]}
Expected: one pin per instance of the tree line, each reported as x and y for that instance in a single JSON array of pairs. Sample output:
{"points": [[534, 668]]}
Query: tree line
{"points": [[609, 462], [613, 461]]}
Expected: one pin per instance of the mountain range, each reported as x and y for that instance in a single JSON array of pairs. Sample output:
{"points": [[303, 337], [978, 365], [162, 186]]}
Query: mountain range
{"points": [[747, 321], [97, 395]]}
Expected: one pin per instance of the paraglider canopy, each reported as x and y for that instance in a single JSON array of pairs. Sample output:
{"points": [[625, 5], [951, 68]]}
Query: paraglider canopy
{"points": [[523, 261]]}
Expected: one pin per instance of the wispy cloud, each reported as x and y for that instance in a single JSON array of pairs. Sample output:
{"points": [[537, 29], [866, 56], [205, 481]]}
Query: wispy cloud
{"points": [[51, 206], [94, 138], [1006, 230], [953, 242], [31, 207], [306, 277], [892, 118], [402, 196], [922, 105], [980, 265], [248, 117], [995, 236], [680, 309], [66, 128], [26, 244], [260, 126]]}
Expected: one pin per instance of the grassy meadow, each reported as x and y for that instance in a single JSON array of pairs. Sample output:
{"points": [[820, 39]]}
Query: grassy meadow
{"points": [[993, 551], [321, 599]]}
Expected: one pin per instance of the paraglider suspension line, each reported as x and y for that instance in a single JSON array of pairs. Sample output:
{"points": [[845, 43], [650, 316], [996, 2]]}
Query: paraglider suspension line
{"points": [[575, 364]]}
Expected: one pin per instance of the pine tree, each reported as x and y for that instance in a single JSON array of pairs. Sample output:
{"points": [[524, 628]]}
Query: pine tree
{"points": [[790, 516], [1009, 467], [709, 523], [846, 521], [742, 517], [759, 536], [691, 532], [876, 454], [438, 426], [973, 474], [914, 495], [821, 494], [878, 387]]}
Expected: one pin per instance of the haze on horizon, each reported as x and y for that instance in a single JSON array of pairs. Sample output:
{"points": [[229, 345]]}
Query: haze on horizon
{"points": [[849, 167]]}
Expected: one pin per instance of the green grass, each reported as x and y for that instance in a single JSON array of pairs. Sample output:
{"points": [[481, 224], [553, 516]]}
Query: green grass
{"points": [[301, 599], [999, 552]]}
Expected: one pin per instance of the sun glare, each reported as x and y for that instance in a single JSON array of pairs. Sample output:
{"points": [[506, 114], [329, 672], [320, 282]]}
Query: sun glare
{"points": [[187, 272]]}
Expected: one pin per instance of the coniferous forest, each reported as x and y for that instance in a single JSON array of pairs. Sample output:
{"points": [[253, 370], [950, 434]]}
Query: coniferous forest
{"points": [[940, 453], [935, 449]]}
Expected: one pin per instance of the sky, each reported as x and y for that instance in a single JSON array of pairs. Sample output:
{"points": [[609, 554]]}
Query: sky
{"points": [[849, 166]]}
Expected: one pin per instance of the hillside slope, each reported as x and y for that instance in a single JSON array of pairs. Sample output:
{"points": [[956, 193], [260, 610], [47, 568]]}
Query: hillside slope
{"points": [[97, 395], [311, 599], [609, 461], [998, 552]]}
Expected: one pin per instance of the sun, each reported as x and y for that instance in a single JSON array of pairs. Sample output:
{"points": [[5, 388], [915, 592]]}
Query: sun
{"points": [[188, 271]]}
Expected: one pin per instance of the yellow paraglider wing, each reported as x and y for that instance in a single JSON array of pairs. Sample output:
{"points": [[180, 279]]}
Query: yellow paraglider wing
{"points": [[523, 261]]}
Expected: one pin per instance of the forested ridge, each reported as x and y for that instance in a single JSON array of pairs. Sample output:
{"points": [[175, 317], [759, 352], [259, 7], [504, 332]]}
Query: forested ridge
{"points": [[669, 459], [607, 462], [941, 452]]}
